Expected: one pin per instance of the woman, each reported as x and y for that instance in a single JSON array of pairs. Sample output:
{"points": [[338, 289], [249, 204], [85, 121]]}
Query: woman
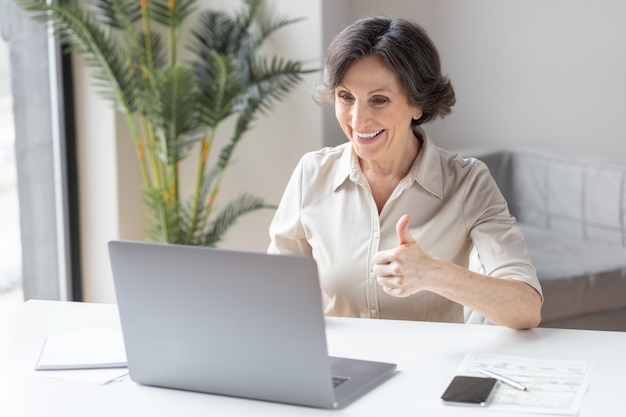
{"points": [[390, 218]]}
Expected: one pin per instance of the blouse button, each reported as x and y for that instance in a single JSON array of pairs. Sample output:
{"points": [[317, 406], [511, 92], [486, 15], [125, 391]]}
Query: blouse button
{"points": [[373, 313], [376, 234]]}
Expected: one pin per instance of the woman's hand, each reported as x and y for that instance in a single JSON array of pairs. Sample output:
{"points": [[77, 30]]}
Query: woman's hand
{"points": [[403, 270], [407, 269]]}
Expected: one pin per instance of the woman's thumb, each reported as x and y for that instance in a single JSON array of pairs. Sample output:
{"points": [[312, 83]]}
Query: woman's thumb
{"points": [[402, 230]]}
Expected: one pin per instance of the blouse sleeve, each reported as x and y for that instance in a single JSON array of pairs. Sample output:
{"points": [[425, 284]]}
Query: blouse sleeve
{"points": [[286, 232], [499, 243]]}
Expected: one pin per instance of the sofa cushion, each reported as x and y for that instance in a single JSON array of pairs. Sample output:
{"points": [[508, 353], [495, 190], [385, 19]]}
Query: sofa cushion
{"points": [[581, 199], [577, 276]]}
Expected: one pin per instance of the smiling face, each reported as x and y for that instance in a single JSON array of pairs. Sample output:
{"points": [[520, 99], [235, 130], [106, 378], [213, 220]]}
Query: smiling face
{"points": [[375, 114]]}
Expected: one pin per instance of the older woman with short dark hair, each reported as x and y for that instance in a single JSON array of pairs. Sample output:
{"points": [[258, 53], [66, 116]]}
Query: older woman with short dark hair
{"points": [[390, 218]]}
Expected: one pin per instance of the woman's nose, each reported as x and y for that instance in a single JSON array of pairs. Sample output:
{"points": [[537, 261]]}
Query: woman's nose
{"points": [[359, 114]]}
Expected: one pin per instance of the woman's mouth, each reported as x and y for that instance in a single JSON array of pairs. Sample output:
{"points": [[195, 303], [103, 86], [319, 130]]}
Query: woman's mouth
{"points": [[369, 135]]}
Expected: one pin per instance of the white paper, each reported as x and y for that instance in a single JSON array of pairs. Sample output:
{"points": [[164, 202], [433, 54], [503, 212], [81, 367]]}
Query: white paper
{"points": [[89, 376], [553, 386], [84, 349]]}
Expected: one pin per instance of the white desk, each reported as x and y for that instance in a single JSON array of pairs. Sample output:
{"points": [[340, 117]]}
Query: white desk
{"points": [[427, 355]]}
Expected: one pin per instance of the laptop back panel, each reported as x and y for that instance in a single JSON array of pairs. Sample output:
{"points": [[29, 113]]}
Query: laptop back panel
{"points": [[203, 320]]}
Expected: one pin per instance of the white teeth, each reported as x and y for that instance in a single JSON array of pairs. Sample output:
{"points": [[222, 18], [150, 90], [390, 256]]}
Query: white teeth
{"points": [[368, 135]]}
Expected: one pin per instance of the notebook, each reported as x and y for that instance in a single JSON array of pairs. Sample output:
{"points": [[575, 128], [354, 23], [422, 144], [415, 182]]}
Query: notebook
{"points": [[83, 349], [233, 323]]}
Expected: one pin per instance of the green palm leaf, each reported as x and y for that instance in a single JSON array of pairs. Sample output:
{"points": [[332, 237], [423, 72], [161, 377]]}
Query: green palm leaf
{"points": [[194, 219], [216, 31], [239, 206], [270, 82], [219, 87], [86, 35], [171, 111], [160, 11], [164, 218], [250, 44], [118, 14], [158, 49]]}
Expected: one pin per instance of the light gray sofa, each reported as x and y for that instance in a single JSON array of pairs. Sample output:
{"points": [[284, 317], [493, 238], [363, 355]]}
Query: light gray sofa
{"points": [[573, 216]]}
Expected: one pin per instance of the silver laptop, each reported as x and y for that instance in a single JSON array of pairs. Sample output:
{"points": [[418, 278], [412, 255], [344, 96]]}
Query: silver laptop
{"points": [[232, 323]]}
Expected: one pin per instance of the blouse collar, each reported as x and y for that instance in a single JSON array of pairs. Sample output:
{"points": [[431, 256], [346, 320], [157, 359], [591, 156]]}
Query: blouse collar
{"points": [[426, 169]]}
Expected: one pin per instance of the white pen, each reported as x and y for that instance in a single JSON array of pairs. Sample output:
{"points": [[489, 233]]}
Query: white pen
{"points": [[501, 378]]}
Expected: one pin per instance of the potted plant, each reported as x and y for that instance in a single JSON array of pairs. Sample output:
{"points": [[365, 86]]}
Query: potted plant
{"points": [[173, 107]]}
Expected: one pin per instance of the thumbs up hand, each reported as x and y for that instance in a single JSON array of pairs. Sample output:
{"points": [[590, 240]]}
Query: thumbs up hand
{"points": [[401, 270]]}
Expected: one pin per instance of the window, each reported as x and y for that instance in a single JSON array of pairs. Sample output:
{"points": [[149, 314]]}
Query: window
{"points": [[10, 244], [44, 156]]}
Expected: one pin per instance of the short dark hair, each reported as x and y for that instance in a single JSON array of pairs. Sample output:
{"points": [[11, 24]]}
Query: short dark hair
{"points": [[406, 51]]}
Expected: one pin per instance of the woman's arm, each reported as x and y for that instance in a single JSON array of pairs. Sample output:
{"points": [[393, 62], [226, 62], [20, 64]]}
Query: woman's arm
{"points": [[407, 269]]}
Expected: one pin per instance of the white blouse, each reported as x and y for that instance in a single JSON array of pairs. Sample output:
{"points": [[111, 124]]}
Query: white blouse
{"points": [[327, 211]]}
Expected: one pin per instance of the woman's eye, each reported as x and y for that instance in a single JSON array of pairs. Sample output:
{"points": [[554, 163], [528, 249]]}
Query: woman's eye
{"points": [[344, 96], [379, 100]]}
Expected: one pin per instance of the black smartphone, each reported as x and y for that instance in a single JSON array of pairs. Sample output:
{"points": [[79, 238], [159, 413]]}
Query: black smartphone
{"points": [[469, 390]]}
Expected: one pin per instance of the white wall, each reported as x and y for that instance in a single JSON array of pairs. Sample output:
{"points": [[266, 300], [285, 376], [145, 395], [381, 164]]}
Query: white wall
{"points": [[544, 74], [110, 196], [97, 188]]}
